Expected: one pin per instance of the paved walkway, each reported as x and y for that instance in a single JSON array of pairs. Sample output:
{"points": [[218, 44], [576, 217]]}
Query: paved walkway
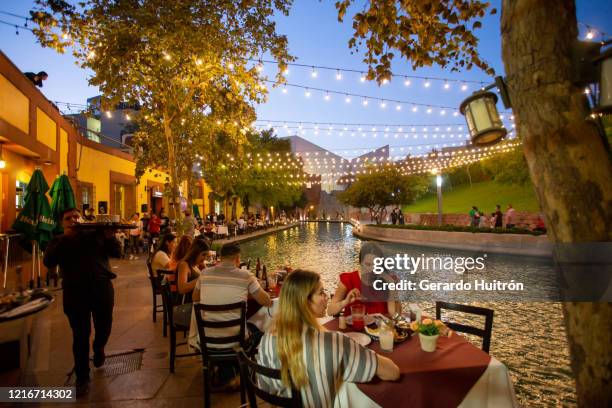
{"points": [[150, 386]]}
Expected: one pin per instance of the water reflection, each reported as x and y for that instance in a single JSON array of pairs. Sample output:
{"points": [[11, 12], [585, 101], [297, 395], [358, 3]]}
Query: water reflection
{"points": [[528, 337]]}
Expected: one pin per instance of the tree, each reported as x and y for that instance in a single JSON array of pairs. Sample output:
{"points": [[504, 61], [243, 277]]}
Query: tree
{"points": [[174, 58], [568, 160], [376, 190], [508, 168]]}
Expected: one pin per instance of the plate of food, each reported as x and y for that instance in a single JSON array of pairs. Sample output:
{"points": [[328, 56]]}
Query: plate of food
{"points": [[399, 335], [367, 319]]}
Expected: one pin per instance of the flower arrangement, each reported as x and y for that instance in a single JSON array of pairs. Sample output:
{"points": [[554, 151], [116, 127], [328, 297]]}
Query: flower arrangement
{"points": [[427, 327]]}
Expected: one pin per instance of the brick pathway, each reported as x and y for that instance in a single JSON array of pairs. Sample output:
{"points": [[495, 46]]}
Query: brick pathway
{"points": [[152, 385]]}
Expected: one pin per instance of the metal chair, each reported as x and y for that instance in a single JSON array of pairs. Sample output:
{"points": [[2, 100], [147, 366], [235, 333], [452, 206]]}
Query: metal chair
{"points": [[222, 355], [174, 327], [156, 291], [249, 370], [485, 333]]}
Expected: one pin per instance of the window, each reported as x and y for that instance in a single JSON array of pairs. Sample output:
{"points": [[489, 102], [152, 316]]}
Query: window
{"points": [[20, 188], [87, 195]]}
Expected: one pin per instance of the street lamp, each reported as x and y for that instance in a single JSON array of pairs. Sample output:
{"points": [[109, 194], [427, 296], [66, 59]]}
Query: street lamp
{"points": [[480, 110], [439, 186], [484, 123]]}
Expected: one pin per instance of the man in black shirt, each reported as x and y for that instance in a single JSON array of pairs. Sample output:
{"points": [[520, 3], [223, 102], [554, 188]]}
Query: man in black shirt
{"points": [[37, 79], [88, 292]]}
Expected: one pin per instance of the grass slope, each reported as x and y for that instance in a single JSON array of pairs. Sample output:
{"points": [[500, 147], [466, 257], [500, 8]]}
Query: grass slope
{"points": [[484, 195]]}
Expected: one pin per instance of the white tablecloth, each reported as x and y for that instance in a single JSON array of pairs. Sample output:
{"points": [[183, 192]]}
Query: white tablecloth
{"points": [[222, 230]]}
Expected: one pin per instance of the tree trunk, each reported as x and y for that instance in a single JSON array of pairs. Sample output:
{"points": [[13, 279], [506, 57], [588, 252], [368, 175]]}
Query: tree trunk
{"points": [[569, 165], [172, 169]]}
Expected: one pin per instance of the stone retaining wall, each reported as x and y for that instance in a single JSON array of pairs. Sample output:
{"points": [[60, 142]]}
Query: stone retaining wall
{"points": [[524, 220], [515, 244]]}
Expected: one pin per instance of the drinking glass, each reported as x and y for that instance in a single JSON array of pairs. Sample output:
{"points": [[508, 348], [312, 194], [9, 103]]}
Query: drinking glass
{"points": [[357, 313], [385, 336]]}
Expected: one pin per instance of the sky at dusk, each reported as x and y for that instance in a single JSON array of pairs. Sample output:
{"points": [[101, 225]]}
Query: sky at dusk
{"points": [[316, 38]]}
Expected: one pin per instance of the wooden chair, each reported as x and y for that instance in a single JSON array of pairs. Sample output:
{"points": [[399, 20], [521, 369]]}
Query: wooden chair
{"points": [[222, 355], [174, 327], [249, 370], [485, 333], [170, 277], [156, 291]]}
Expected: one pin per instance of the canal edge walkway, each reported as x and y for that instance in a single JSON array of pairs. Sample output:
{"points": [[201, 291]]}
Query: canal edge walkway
{"points": [[509, 244], [257, 234]]}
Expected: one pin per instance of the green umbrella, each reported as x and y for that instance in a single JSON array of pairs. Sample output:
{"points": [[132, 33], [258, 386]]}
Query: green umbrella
{"points": [[196, 211], [62, 198], [34, 220]]}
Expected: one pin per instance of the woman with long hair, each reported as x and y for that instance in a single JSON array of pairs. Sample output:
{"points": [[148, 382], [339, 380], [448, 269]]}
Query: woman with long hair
{"points": [[179, 252], [311, 359], [187, 275], [187, 270], [161, 256]]}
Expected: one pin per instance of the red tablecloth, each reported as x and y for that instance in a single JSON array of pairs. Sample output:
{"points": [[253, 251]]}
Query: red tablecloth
{"points": [[439, 379]]}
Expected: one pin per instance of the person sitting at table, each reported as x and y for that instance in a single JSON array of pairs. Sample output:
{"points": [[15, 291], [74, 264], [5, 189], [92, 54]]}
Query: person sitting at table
{"points": [[179, 252], [224, 284], [350, 288], [311, 358], [161, 257], [187, 278]]}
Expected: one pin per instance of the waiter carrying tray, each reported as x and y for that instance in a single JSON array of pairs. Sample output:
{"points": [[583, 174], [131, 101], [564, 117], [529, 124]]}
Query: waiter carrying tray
{"points": [[83, 258]]}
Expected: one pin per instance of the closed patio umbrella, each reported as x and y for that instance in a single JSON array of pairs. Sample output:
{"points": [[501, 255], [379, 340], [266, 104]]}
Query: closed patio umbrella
{"points": [[196, 211], [35, 220], [62, 198]]}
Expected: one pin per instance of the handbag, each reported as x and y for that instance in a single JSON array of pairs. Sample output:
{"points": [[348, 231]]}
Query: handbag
{"points": [[182, 313]]}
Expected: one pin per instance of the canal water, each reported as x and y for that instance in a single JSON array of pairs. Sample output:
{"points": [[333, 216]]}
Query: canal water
{"points": [[528, 337]]}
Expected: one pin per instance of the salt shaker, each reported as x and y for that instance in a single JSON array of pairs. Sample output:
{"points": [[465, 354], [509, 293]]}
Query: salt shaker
{"points": [[342, 320]]}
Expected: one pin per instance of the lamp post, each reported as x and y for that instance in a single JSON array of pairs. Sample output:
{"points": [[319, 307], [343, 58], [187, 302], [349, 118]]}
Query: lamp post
{"points": [[439, 186]]}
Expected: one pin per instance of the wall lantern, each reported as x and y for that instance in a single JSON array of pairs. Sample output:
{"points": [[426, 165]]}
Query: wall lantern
{"points": [[2, 162], [483, 121], [480, 111], [603, 104]]}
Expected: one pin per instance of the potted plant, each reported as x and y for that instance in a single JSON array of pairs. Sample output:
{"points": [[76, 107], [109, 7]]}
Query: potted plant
{"points": [[429, 331]]}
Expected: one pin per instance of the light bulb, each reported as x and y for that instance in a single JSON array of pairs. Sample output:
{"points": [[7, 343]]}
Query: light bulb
{"points": [[446, 85], [365, 102], [464, 87], [427, 84], [407, 82], [284, 90], [347, 99], [307, 93], [338, 75], [590, 35], [313, 73]]}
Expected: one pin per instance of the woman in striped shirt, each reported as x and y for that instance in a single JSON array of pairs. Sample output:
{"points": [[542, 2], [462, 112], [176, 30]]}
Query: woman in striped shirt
{"points": [[312, 359]]}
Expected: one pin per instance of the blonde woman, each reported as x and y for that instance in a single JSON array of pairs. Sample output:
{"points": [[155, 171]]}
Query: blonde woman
{"points": [[312, 359]]}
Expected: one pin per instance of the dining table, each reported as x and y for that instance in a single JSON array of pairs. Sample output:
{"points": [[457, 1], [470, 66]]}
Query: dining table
{"points": [[456, 374]]}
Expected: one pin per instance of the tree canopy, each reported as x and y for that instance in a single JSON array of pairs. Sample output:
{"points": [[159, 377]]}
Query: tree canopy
{"points": [[381, 188], [424, 32], [178, 60]]}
